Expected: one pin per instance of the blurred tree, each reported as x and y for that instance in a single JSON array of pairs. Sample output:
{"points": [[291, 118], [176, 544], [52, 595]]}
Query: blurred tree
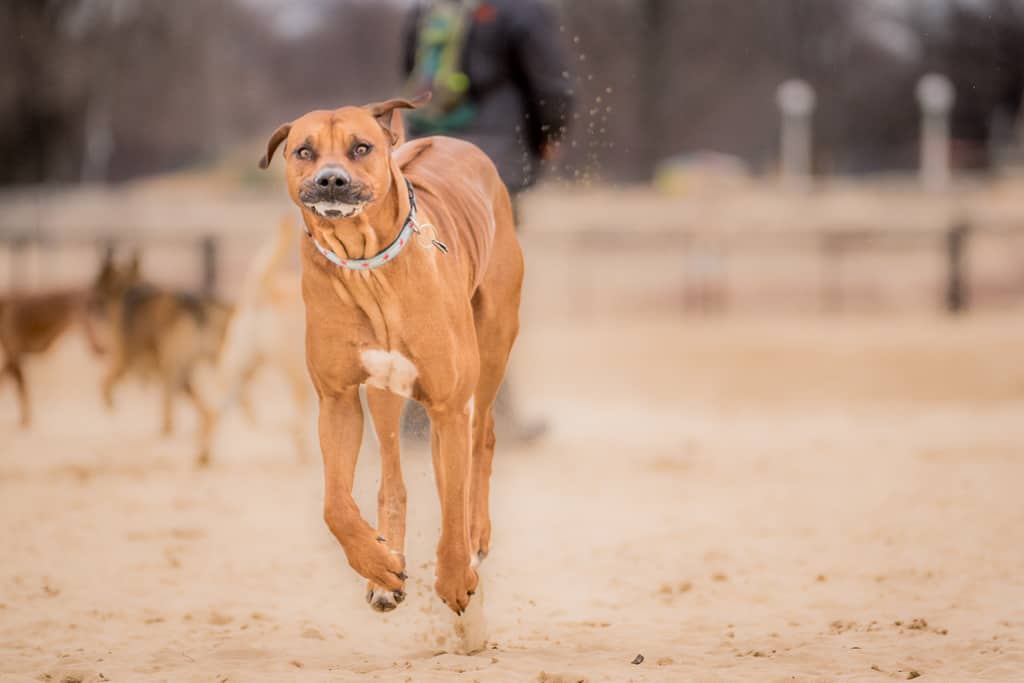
{"points": [[111, 89], [980, 46], [107, 89], [34, 114]]}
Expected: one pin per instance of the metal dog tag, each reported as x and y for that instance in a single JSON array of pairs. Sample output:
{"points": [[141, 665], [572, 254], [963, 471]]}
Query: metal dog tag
{"points": [[427, 237]]}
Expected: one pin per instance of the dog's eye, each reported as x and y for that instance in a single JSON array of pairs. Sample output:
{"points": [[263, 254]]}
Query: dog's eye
{"points": [[304, 153], [361, 150]]}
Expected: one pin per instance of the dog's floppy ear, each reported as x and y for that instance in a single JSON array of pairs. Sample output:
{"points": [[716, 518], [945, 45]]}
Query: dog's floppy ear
{"points": [[384, 112], [276, 139]]}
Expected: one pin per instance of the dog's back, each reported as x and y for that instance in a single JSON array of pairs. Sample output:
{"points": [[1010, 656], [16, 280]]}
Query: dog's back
{"points": [[473, 203], [30, 323], [158, 328]]}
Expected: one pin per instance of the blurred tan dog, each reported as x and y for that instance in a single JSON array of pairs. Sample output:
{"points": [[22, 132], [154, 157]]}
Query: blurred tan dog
{"points": [[412, 290], [262, 334], [155, 331]]}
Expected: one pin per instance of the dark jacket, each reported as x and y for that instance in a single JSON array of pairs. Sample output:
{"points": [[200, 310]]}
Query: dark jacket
{"points": [[515, 59]]}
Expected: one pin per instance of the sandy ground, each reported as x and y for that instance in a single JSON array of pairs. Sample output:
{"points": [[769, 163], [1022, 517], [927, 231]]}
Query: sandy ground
{"points": [[818, 500]]}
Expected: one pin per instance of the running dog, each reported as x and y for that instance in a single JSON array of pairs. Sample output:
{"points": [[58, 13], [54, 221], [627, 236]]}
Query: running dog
{"points": [[154, 331], [261, 334], [411, 278]]}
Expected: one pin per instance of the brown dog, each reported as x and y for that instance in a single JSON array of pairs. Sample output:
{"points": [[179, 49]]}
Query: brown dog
{"points": [[30, 324], [432, 315]]}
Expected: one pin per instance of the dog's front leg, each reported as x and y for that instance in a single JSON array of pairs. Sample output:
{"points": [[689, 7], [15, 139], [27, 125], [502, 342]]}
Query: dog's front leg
{"points": [[450, 434], [118, 366], [13, 368], [386, 410], [341, 432]]}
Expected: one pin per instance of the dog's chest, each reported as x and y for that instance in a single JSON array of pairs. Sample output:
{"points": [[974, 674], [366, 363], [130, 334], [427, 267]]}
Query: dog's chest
{"points": [[389, 370], [408, 338]]}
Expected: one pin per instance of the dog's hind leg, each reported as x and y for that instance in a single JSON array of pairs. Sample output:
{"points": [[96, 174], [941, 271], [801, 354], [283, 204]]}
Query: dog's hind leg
{"points": [[341, 432], [206, 421], [386, 410], [480, 472], [13, 368], [497, 325], [169, 386], [115, 372], [451, 435], [244, 390]]}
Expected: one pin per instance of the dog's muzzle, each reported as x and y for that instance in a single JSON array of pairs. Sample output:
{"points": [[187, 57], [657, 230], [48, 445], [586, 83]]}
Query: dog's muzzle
{"points": [[333, 194]]}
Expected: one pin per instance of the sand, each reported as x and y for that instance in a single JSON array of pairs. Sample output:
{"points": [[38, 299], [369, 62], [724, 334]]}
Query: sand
{"points": [[820, 499]]}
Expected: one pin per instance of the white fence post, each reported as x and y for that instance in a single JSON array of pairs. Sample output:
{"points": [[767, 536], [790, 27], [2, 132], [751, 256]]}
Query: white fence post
{"points": [[936, 96], [796, 101]]}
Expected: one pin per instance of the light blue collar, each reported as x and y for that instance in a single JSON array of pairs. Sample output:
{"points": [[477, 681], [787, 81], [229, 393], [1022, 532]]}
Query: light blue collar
{"points": [[410, 228]]}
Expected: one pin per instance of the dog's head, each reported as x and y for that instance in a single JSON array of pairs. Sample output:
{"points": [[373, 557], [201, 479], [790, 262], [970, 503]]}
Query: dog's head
{"points": [[113, 280], [339, 162], [107, 289]]}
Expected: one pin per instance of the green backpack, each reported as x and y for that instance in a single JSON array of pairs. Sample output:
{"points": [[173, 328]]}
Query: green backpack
{"points": [[440, 43]]}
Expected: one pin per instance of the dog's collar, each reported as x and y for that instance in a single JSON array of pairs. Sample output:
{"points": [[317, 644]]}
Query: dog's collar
{"points": [[410, 228]]}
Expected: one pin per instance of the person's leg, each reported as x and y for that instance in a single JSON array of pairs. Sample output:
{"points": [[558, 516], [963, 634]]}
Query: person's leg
{"points": [[510, 423], [415, 422]]}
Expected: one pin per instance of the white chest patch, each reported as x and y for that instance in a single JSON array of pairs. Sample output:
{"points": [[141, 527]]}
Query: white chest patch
{"points": [[389, 370]]}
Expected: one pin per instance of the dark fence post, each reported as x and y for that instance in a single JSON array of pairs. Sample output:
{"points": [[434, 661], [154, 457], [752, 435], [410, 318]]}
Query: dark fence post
{"points": [[956, 285], [208, 251], [18, 247], [833, 247]]}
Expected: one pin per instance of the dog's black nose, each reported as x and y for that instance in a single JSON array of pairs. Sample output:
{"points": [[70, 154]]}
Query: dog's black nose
{"points": [[331, 177]]}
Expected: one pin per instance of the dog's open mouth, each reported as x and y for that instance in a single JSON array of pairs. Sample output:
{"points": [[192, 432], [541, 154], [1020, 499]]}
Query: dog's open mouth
{"points": [[335, 209]]}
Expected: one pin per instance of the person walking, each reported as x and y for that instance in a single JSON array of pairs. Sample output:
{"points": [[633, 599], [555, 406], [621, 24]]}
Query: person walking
{"points": [[499, 75]]}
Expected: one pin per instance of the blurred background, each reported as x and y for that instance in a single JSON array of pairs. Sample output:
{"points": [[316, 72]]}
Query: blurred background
{"points": [[774, 302], [142, 120]]}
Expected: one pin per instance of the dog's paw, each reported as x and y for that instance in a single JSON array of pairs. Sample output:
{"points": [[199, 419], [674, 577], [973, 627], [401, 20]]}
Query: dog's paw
{"points": [[456, 586], [383, 600], [373, 560]]}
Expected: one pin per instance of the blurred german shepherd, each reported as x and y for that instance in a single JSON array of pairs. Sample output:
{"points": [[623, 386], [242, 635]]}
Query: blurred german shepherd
{"points": [[162, 333]]}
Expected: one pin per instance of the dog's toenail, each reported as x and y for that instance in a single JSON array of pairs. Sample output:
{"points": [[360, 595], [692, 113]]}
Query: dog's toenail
{"points": [[402, 575], [399, 596], [369, 595], [381, 539]]}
